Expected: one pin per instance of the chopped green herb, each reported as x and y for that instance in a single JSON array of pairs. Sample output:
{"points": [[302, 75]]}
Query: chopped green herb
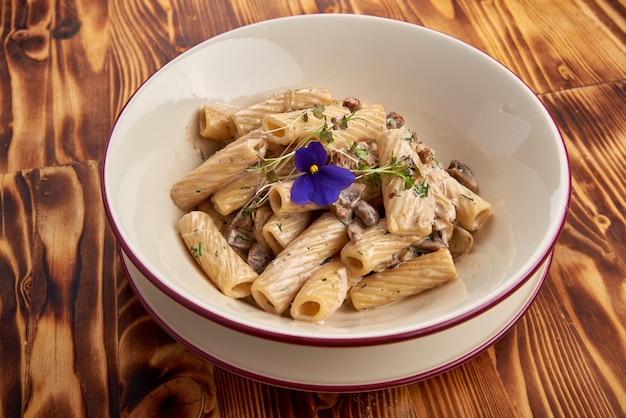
{"points": [[318, 111], [421, 190], [272, 176], [196, 251], [240, 237]]}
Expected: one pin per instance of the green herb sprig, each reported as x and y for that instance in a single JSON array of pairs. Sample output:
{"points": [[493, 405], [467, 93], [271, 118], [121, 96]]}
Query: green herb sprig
{"points": [[269, 168]]}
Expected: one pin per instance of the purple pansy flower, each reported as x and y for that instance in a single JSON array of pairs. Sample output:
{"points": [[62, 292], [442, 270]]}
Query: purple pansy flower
{"points": [[321, 183]]}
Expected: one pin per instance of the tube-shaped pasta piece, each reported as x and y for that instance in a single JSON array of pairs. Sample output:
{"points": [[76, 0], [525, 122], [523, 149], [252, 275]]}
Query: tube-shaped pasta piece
{"points": [[409, 211], [280, 230], [250, 117], [276, 287], [375, 245], [280, 200], [290, 127], [471, 210], [407, 279], [220, 167], [322, 294], [229, 272], [214, 121], [308, 97], [236, 193], [364, 125], [207, 206]]}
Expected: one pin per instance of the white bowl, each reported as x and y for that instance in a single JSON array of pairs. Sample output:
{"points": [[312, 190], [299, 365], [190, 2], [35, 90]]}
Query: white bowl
{"points": [[290, 365], [460, 101]]}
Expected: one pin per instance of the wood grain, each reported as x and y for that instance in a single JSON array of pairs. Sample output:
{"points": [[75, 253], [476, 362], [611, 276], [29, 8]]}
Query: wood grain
{"points": [[74, 339], [54, 326]]}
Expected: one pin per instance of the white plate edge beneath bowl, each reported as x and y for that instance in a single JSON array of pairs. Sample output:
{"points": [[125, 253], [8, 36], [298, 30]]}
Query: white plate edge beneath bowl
{"points": [[341, 368]]}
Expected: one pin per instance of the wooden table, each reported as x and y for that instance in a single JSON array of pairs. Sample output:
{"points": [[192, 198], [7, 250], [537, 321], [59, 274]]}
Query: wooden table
{"points": [[74, 340]]}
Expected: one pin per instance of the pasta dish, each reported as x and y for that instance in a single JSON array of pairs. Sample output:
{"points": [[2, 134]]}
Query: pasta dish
{"points": [[313, 203]]}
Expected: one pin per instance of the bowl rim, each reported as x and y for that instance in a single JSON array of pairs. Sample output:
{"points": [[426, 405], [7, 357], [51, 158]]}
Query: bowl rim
{"points": [[346, 387], [342, 341]]}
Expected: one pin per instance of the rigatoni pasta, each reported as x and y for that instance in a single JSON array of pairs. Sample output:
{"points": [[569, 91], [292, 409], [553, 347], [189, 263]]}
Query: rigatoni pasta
{"points": [[314, 204], [251, 117], [218, 259], [279, 199], [289, 128], [409, 211], [214, 121], [362, 125], [407, 279], [276, 287], [229, 161], [235, 193], [374, 246], [471, 210], [281, 229], [322, 294]]}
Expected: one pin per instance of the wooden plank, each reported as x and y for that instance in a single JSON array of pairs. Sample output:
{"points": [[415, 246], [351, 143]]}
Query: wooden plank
{"points": [[74, 78], [553, 45], [52, 82], [458, 392], [56, 250], [547, 371], [550, 45], [560, 360], [157, 375], [589, 269], [17, 225]]}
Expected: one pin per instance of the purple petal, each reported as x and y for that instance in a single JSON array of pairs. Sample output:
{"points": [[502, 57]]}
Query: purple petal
{"points": [[323, 196], [328, 183], [301, 189], [337, 177], [313, 154]]}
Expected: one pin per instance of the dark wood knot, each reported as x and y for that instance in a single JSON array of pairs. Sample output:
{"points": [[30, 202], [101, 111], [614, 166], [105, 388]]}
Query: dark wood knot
{"points": [[66, 28]]}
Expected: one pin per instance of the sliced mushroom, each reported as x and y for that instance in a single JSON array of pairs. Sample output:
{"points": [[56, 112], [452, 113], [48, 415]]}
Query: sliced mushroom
{"points": [[429, 244], [241, 221], [259, 257], [366, 213], [353, 104], [463, 174], [355, 230], [363, 153], [341, 159], [394, 120], [238, 238], [427, 156], [348, 199]]}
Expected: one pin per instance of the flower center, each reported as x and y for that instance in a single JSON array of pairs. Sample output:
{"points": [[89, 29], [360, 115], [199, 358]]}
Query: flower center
{"points": [[314, 169]]}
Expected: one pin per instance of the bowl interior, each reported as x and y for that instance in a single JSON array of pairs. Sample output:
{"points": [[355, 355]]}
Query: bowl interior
{"points": [[461, 102]]}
